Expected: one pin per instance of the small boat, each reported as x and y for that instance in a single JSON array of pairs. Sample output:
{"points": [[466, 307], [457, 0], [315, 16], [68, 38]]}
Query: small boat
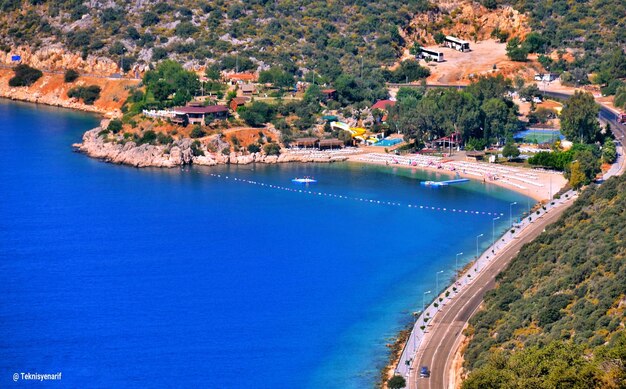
{"points": [[444, 183], [434, 183], [305, 180]]}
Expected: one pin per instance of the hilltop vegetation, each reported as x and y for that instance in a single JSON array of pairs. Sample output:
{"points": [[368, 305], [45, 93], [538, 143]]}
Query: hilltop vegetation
{"points": [[594, 32], [556, 318], [332, 39]]}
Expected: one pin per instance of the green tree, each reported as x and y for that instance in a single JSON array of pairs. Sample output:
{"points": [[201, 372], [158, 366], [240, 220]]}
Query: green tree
{"points": [[609, 152], [313, 93], [396, 382], [516, 51], [24, 75], [271, 149], [212, 73], [257, 114], [510, 150], [439, 37], [197, 132], [277, 77], [115, 126], [496, 114], [254, 148], [579, 118], [405, 92], [70, 75], [534, 42], [88, 94], [576, 176]]}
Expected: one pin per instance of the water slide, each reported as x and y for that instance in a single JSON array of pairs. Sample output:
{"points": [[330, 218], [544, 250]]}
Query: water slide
{"points": [[355, 131]]}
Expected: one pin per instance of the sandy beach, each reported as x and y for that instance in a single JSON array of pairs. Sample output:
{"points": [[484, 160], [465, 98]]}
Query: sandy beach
{"points": [[537, 184]]}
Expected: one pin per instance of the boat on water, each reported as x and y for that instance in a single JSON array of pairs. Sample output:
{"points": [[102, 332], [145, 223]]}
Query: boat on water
{"points": [[434, 183], [305, 180], [444, 183]]}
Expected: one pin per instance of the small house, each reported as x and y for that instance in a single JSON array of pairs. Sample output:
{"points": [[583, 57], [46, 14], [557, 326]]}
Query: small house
{"points": [[383, 105], [237, 102], [199, 114], [329, 94], [240, 78], [247, 89]]}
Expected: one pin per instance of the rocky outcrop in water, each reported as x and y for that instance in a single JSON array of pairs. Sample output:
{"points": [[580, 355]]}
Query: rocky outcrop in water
{"points": [[178, 153]]}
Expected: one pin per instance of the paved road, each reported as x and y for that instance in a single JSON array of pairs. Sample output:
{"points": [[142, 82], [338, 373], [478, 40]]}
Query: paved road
{"points": [[441, 342]]}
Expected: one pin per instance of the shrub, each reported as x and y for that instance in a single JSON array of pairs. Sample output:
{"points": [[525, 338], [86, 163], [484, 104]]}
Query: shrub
{"points": [[272, 149], [197, 132], [88, 94], [149, 137], [115, 126], [25, 76], [164, 139], [254, 148], [70, 75], [396, 382], [196, 151]]}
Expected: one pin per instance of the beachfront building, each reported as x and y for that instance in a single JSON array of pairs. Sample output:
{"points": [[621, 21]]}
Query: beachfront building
{"points": [[451, 141], [194, 114], [331, 144], [305, 142]]}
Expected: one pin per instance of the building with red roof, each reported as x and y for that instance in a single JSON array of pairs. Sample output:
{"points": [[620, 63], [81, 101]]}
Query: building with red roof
{"points": [[383, 104], [242, 77]]}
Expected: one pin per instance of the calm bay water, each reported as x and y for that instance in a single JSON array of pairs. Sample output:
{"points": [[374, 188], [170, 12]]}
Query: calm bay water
{"points": [[121, 277]]}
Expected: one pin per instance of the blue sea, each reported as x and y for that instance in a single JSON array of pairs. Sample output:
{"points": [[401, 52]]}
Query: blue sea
{"points": [[124, 277]]}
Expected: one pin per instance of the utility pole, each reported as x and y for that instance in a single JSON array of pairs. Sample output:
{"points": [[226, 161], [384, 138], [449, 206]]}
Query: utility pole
{"points": [[361, 67]]}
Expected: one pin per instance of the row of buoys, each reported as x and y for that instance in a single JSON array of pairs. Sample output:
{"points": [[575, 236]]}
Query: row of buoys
{"points": [[360, 199]]}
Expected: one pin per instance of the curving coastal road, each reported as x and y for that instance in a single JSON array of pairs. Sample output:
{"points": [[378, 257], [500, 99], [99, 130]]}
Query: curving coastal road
{"points": [[440, 343]]}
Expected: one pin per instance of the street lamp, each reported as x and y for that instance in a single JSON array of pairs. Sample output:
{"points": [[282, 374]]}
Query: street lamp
{"points": [[493, 229], [437, 280], [424, 301], [511, 212], [456, 268], [477, 245]]}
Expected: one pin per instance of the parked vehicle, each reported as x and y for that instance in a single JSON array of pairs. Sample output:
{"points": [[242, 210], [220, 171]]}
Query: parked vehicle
{"points": [[424, 372], [621, 118]]}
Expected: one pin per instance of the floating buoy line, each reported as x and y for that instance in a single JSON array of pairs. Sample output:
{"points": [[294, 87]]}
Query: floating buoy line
{"points": [[353, 198]]}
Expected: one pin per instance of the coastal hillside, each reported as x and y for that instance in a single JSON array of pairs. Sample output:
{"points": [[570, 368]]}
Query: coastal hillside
{"points": [[51, 89], [557, 316], [329, 39]]}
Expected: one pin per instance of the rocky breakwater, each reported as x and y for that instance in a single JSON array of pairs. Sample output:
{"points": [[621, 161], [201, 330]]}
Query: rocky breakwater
{"points": [[115, 149]]}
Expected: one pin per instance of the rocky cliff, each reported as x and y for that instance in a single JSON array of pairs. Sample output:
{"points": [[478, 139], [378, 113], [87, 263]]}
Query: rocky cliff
{"points": [[178, 153], [56, 58], [51, 90]]}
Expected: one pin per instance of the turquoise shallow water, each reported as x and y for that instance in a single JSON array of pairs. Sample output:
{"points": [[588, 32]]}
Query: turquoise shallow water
{"points": [[123, 277]]}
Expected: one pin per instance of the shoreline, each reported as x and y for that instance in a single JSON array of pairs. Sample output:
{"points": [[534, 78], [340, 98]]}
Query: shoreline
{"points": [[539, 193], [472, 271], [539, 185]]}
